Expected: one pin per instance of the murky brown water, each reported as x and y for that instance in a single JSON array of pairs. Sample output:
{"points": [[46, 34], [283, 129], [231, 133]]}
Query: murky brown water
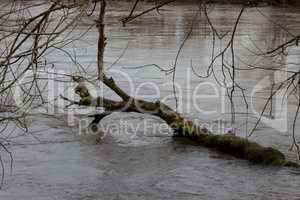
{"points": [[153, 165]]}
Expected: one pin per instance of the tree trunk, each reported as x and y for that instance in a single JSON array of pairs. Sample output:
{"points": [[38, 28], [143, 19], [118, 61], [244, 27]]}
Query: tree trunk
{"points": [[225, 143]]}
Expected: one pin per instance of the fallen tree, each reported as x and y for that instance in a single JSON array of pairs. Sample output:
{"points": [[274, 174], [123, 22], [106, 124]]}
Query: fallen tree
{"points": [[226, 143]]}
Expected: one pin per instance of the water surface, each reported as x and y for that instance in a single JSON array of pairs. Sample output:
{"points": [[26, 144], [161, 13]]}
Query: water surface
{"points": [[153, 165]]}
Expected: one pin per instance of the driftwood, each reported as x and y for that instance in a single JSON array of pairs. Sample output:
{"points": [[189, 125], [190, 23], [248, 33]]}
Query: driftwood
{"points": [[226, 143]]}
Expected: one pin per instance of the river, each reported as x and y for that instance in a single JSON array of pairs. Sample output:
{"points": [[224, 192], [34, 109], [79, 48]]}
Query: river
{"points": [[54, 161]]}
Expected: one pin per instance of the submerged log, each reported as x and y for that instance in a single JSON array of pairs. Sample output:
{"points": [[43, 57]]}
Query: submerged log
{"points": [[226, 143]]}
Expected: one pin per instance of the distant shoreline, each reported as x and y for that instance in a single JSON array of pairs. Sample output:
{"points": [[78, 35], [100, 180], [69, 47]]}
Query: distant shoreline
{"points": [[245, 2]]}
